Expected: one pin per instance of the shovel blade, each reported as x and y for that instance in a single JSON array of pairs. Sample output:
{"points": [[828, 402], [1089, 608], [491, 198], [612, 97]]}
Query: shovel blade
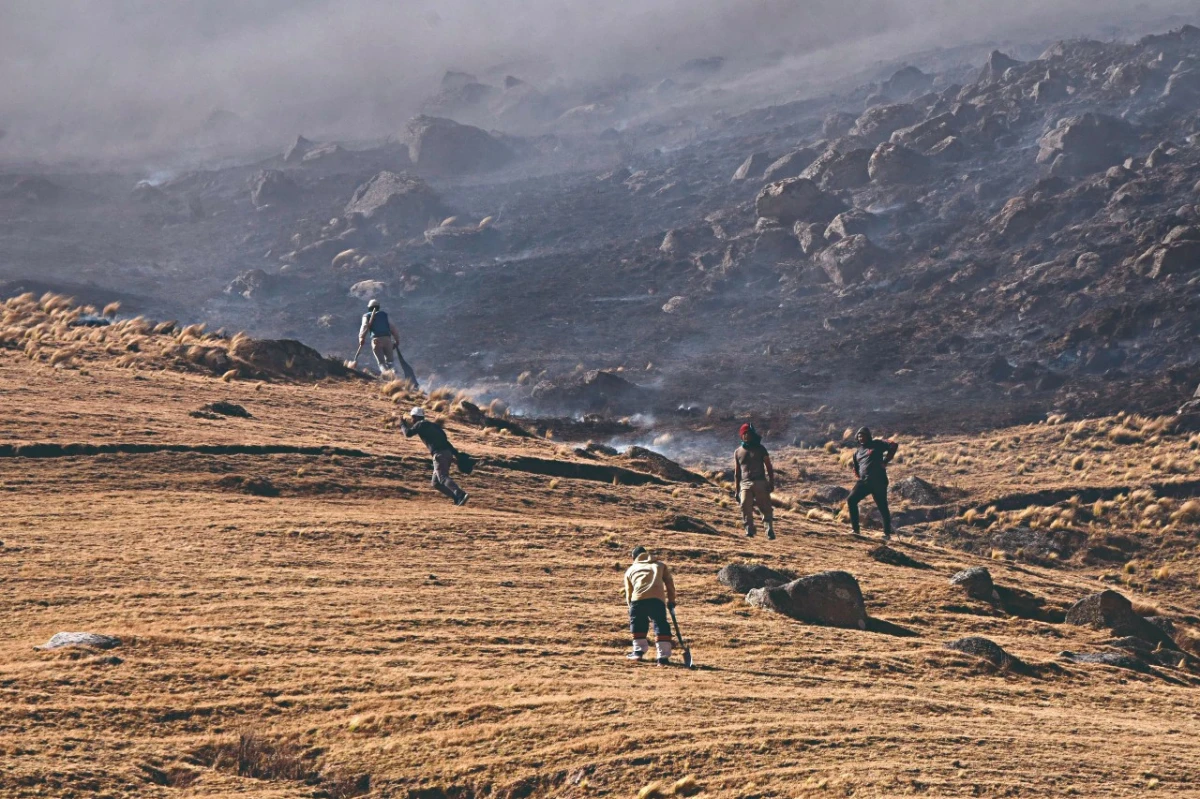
{"points": [[687, 658]]}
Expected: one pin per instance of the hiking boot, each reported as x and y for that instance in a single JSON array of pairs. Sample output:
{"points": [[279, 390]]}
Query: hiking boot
{"points": [[664, 661], [463, 499], [635, 655], [770, 533]]}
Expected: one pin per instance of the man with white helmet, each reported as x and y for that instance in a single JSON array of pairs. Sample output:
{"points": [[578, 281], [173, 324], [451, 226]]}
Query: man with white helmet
{"points": [[441, 449], [384, 340]]}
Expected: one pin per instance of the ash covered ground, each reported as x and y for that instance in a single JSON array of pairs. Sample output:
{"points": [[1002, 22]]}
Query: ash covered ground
{"points": [[963, 238]]}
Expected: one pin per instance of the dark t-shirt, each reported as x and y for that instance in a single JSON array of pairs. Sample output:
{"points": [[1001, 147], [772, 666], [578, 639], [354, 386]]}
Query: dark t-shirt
{"points": [[379, 324], [431, 434], [869, 460], [753, 460]]}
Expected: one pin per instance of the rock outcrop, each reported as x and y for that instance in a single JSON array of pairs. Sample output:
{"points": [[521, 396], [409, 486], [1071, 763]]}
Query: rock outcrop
{"points": [[445, 147], [832, 598], [743, 577], [404, 203]]}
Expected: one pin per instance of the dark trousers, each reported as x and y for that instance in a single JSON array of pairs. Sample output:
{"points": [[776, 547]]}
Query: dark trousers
{"points": [[644, 611], [876, 489]]}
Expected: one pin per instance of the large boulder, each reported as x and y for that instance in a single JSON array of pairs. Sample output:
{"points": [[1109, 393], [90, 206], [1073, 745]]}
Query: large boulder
{"points": [[797, 200], [1175, 258], [1183, 87], [592, 391], [906, 81], [445, 147], [914, 489], [879, 122], [997, 64], [791, 165], [295, 153], [1081, 145], [926, 134], [850, 223], [977, 583], [752, 168], [273, 187], [984, 649], [831, 597], [743, 577], [848, 260], [1111, 611], [895, 163], [406, 204], [837, 170]]}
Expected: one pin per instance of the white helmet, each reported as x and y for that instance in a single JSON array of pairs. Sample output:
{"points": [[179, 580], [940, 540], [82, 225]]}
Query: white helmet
{"points": [[418, 413], [372, 304]]}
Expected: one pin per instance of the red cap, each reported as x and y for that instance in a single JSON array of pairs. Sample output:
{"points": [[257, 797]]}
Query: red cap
{"points": [[744, 429]]}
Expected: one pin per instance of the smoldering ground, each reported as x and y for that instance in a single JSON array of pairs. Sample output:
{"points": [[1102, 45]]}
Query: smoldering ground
{"points": [[128, 78]]}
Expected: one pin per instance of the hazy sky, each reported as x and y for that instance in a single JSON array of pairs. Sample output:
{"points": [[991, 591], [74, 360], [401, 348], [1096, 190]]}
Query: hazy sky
{"points": [[80, 77]]}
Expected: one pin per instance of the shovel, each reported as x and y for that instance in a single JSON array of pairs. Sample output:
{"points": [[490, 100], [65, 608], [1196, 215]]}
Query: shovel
{"points": [[687, 652]]}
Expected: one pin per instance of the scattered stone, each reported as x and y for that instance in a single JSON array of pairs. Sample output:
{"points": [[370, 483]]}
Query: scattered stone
{"points": [[273, 187], [831, 597], [1081, 145], [997, 64], [828, 494], [1120, 660], [849, 223], [893, 557], [752, 168], [446, 147], [1108, 610], [682, 523], [92, 640], [895, 163], [223, 408], [840, 171], [253, 283], [914, 489], [797, 200], [403, 202], [906, 81], [368, 290], [879, 122], [984, 649], [743, 577], [977, 582], [791, 165], [297, 151], [848, 260], [648, 460]]}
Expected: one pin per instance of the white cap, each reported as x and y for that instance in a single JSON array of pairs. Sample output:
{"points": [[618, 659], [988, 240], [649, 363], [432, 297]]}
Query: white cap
{"points": [[418, 412], [373, 304]]}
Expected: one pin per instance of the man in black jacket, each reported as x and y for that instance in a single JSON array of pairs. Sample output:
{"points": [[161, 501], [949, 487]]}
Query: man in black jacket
{"points": [[870, 466], [441, 449]]}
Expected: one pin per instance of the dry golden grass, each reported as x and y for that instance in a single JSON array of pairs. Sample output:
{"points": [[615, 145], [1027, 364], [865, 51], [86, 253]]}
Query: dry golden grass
{"points": [[359, 625]]}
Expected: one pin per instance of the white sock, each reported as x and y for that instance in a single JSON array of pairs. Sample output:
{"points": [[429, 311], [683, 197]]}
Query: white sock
{"points": [[664, 649], [641, 646]]}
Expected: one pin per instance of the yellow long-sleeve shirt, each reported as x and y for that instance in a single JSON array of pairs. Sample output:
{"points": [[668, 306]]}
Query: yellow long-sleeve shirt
{"points": [[648, 579]]}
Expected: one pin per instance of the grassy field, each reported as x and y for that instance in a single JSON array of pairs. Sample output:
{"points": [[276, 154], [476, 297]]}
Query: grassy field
{"points": [[298, 622]]}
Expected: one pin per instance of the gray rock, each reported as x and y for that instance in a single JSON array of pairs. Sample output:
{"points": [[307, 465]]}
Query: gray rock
{"points": [[752, 168], [1111, 611], [791, 165], [849, 223], [892, 557], [836, 170], [797, 200], [93, 640], [403, 202], [984, 649], [273, 187], [846, 262], [446, 147], [977, 582], [1119, 660], [914, 489], [879, 122], [744, 577], [1081, 145], [894, 163], [831, 597]]}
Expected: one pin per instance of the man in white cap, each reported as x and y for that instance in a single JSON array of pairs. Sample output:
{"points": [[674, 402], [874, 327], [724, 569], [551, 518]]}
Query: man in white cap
{"points": [[384, 340], [441, 449]]}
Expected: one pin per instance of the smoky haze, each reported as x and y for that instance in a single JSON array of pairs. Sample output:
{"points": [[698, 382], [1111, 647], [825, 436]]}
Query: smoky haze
{"points": [[88, 79]]}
